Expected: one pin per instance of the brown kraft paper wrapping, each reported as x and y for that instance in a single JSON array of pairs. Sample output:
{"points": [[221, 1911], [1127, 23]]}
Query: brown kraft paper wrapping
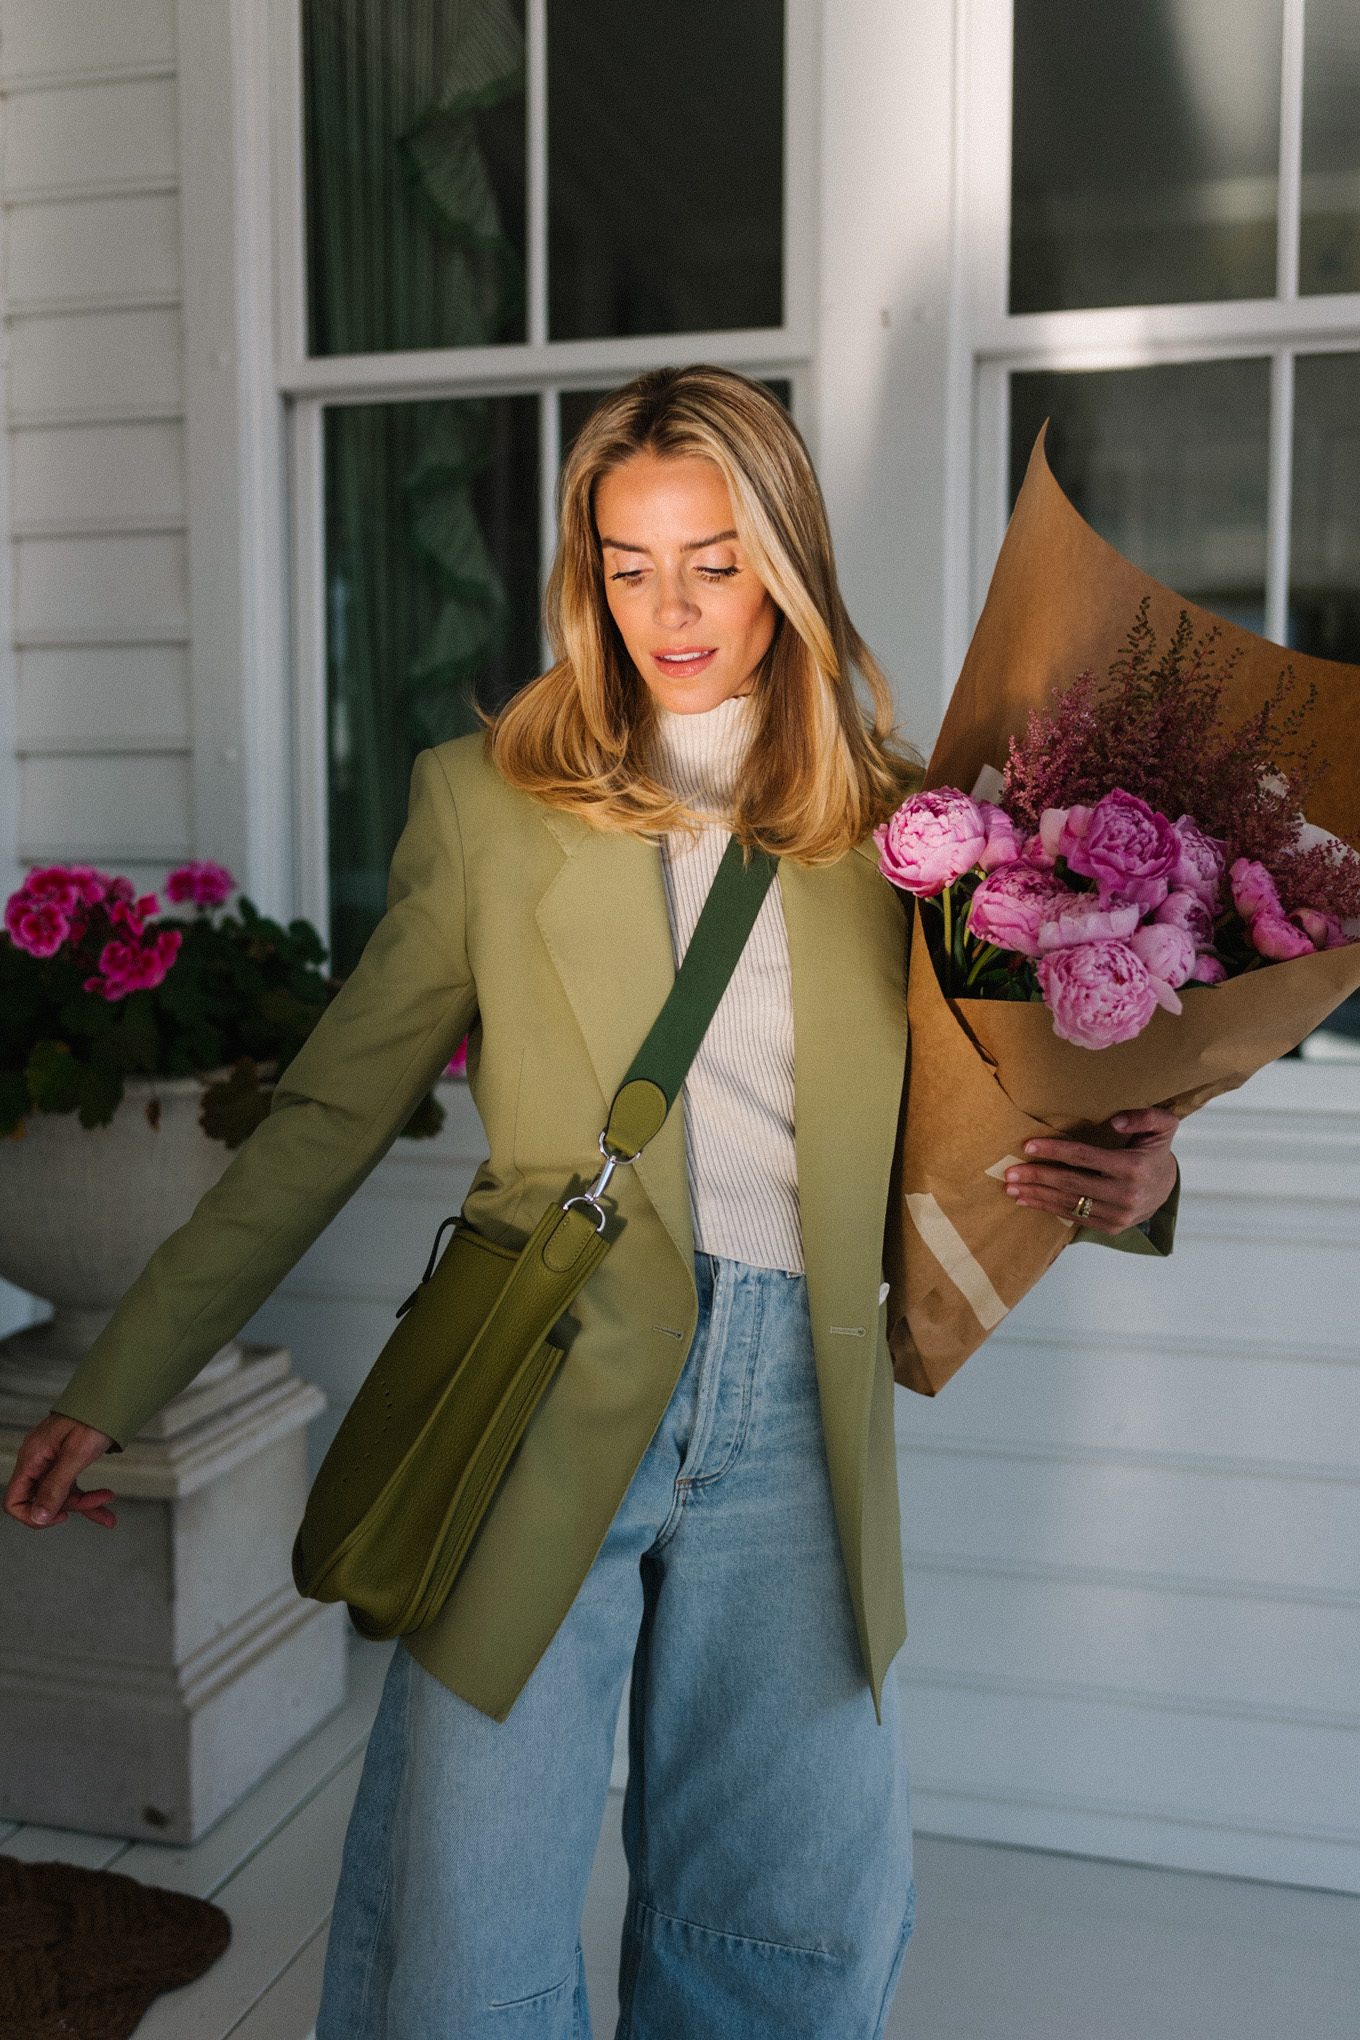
{"points": [[986, 1075]]}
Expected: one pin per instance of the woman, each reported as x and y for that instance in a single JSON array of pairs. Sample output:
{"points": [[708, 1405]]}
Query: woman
{"points": [[707, 1495]]}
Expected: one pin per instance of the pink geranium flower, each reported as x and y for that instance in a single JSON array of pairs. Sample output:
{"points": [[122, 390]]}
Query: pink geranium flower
{"points": [[35, 925], [1099, 993], [126, 967], [52, 885], [205, 883], [931, 840]]}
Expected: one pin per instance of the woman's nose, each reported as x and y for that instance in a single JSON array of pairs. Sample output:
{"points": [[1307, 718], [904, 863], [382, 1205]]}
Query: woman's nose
{"points": [[674, 605]]}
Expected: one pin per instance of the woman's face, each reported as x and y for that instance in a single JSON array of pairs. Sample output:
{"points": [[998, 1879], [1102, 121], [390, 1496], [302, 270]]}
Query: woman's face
{"points": [[695, 620]]}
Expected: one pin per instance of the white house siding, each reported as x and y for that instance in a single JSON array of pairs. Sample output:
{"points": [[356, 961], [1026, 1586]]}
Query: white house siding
{"points": [[99, 619], [1132, 1521]]}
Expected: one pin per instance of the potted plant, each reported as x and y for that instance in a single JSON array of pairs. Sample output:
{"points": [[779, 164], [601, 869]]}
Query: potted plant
{"points": [[137, 1049]]}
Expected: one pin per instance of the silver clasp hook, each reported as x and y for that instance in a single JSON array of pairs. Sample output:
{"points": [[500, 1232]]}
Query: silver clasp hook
{"points": [[593, 1195]]}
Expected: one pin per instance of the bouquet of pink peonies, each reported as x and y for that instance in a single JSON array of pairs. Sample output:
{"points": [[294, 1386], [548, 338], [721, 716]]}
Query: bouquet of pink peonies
{"points": [[1141, 880]]}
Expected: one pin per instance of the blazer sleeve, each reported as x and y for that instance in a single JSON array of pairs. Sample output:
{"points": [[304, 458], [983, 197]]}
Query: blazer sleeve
{"points": [[335, 1111]]}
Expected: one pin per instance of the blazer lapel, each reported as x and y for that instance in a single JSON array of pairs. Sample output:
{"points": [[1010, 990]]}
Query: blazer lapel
{"points": [[604, 919], [847, 945]]}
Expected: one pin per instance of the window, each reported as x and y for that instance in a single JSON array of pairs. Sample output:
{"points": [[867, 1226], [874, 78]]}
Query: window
{"points": [[1162, 255], [494, 215]]}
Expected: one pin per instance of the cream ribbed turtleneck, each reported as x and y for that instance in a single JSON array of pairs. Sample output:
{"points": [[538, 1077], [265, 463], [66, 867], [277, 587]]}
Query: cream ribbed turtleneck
{"points": [[738, 1096]]}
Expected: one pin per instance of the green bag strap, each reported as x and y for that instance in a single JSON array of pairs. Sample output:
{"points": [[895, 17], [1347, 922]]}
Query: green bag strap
{"points": [[656, 1073]]}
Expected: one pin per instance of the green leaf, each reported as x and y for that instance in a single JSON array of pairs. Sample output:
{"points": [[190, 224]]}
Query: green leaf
{"points": [[53, 1075], [234, 1106], [425, 1121]]}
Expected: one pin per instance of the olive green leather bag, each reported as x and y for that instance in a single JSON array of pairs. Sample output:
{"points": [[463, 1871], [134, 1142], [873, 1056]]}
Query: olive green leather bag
{"points": [[410, 1473]]}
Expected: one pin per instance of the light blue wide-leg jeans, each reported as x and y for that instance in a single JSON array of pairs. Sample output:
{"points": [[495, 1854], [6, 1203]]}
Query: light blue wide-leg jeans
{"points": [[767, 1817]]}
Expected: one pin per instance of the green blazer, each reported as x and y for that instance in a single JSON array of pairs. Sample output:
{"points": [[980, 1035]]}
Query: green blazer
{"points": [[550, 941]]}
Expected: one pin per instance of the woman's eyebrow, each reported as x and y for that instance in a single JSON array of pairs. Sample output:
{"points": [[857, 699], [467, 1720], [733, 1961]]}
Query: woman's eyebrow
{"points": [[695, 544]]}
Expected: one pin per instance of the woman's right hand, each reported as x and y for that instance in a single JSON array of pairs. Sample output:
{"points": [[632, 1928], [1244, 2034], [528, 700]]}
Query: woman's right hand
{"points": [[42, 1489]]}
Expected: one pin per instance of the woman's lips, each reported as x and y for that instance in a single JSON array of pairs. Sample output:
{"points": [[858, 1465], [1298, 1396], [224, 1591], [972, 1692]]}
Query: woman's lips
{"points": [[685, 662]]}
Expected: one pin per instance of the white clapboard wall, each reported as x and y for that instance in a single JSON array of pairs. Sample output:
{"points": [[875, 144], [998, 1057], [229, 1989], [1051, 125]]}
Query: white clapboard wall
{"points": [[99, 615]]}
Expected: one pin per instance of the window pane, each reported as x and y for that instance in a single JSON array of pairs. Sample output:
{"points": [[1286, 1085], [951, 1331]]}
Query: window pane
{"points": [[1169, 464], [1329, 240], [414, 155], [1146, 145], [665, 166], [1324, 579], [431, 600]]}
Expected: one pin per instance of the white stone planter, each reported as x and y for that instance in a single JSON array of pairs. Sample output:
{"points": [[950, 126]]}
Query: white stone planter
{"points": [[82, 1209], [149, 1676]]}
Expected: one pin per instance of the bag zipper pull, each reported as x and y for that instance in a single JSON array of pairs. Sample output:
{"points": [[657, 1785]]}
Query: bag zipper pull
{"points": [[402, 1308]]}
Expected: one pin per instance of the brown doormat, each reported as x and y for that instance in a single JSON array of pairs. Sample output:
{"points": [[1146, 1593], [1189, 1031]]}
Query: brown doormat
{"points": [[84, 1952]]}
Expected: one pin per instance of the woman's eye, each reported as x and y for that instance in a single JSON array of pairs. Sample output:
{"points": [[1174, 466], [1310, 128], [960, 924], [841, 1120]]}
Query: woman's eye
{"points": [[716, 573], [627, 574]]}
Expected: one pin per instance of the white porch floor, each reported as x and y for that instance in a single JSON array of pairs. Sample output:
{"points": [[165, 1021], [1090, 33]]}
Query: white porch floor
{"points": [[1010, 1944]]}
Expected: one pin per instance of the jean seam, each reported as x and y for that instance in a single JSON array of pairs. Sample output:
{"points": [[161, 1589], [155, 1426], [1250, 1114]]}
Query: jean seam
{"points": [[908, 1924], [749, 1940], [534, 1997], [384, 1897], [699, 1480]]}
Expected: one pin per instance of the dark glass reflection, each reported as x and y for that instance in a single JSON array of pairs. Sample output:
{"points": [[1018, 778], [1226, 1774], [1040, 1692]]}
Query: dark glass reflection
{"points": [[1145, 152], [665, 166], [1329, 227], [1168, 464], [414, 153], [431, 531], [1324, 554]]}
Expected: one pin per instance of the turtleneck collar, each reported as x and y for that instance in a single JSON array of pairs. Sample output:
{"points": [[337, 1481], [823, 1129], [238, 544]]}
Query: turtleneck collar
{"points": [[699, 751]]}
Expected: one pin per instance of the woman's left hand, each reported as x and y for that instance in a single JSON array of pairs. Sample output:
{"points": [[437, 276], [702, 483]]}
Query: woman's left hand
{"points": [[1125, 1185]]}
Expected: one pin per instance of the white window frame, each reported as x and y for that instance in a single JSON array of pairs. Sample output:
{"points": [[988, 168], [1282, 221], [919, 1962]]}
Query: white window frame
{"points": [[992, 342], [536, 366]]}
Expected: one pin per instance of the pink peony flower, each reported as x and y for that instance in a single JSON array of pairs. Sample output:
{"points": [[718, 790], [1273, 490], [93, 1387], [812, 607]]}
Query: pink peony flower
{"points": [[205, 883], [1168, 956], [1003, 840], [1275, 936], [1187, 910], [1199, 862], [1127, 848], [1032, 851], [1323, 930], [1253, 889], [1209, 969], [1080, 917], [1062, 830], [456, 1066], [1099, 993], [1009, 905], [931, 840], [35, 925]]}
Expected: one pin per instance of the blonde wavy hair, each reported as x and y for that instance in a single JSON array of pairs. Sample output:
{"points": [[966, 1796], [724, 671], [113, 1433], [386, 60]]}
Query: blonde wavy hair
{"points": [[821, 771]]}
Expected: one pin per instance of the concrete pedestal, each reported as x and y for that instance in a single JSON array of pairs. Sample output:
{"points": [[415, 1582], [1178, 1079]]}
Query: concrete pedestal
{"points": [[152, 1673]]}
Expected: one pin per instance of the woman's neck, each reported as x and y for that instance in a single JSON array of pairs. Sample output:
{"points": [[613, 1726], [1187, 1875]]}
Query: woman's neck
{"points": [[699, 751]]}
